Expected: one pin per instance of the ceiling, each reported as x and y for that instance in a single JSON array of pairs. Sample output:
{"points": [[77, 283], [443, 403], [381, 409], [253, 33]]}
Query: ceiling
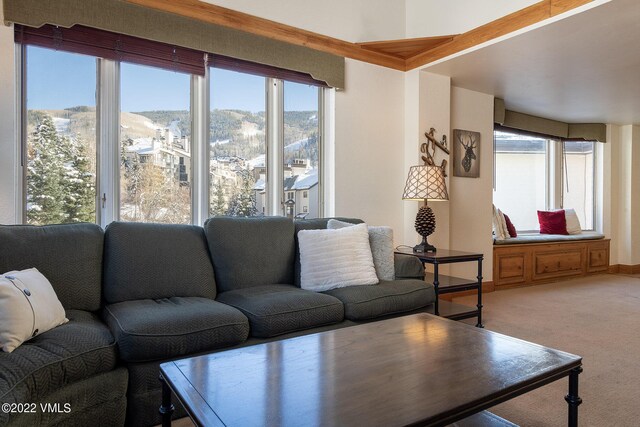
{"points": [[584, 68]]}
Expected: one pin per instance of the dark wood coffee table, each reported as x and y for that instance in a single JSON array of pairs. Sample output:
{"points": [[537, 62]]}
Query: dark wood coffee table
{"points": [[413, 370]]}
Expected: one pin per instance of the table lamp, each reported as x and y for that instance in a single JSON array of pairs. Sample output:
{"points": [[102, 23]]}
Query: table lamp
{"points": [[425, 183]]}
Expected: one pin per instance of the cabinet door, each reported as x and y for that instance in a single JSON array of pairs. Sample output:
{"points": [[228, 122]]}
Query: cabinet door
{"points": [[510, 266], [598, 256], [559, 261]]}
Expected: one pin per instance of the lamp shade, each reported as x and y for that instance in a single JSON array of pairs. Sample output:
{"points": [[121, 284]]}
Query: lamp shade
{"points": [[425, 183]]}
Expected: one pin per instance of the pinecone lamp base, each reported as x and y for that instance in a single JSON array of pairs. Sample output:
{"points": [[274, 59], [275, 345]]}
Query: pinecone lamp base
{"points": [[424, 247], [425, 225]]}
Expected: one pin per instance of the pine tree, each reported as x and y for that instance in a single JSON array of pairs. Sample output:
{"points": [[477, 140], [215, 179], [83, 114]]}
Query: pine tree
{"points": [[243, 202], [79, 184], [45, 167], [218, 205]]}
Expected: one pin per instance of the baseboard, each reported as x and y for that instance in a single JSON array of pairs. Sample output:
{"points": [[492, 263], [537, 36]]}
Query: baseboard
{"points": [[487, 287], [624, 269]]}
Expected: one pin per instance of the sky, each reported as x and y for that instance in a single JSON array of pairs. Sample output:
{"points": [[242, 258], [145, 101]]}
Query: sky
{"points": [[58, 80]]}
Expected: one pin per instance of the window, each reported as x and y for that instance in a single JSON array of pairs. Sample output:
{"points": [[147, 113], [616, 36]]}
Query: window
{"points": [[520, 167], [541, 174], [578, 186], [301, 152], [60, 173], [144, 120], [237, 165], [155, 129]]}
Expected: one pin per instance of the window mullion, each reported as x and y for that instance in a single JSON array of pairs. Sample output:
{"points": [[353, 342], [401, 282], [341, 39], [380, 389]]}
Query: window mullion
{"points": [[200, 148], [326, 145], [275, 146], [554, 175], [21, 131], [108, 133]]}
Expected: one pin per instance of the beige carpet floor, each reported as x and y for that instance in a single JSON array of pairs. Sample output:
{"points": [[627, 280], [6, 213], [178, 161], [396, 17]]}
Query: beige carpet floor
{"points": [[596, 317]]}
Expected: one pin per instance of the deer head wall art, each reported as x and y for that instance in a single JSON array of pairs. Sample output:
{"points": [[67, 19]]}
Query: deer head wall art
{"points": [[466, 153]]}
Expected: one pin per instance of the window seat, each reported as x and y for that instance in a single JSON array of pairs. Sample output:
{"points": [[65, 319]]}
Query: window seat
{"points": [[533, 259], [546, 238]]}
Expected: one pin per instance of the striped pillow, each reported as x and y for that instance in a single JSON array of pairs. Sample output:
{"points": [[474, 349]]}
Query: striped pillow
{"points": [[332, 259]]}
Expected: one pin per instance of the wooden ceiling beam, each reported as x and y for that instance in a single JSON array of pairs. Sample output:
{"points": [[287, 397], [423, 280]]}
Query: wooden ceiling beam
{"points": [[397, 55], [218, 15], [533, 14]]}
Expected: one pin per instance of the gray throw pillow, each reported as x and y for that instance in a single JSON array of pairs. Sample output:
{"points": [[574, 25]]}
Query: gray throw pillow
{"points": [[381, 242]]}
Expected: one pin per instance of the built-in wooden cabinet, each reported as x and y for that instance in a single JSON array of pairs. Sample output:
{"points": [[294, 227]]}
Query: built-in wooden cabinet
{"points": [[531, 263]]}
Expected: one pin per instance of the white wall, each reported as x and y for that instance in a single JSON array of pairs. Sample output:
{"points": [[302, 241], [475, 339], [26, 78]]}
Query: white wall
{"points": [[471, 198], [427, 18], [8, 148], [625, 217], [369, 134], [352, 20]]}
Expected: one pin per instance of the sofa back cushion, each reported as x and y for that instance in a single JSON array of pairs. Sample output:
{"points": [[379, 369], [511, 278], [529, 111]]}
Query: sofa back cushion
{"points": [[312, 224], [68, 255], [248, 252], [151, 261]]}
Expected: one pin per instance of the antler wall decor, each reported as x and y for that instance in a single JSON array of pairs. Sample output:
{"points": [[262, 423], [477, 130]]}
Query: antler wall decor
{"points": [[466, 153], [428, 149]]}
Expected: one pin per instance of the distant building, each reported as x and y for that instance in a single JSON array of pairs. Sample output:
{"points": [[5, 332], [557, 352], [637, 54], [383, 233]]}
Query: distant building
{"points": [[300, 190], [169, 152]]}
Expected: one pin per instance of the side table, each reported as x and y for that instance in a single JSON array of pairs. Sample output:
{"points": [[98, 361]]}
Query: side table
{"points": [[449, 284]]}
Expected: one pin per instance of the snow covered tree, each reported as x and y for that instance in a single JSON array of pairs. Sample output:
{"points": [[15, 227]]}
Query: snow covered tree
{"points": [[218, 204], [45, 168], [79, 183], [60, 184], [243, 201]]}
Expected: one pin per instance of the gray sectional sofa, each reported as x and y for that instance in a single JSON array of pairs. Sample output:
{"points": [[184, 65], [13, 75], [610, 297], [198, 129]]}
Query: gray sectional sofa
{"points": [[138, 295]]}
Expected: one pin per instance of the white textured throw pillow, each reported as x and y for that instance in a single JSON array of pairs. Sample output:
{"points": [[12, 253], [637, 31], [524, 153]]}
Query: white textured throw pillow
{"points": [[28, 307], [573, 223], [332, 259], [381, 242], [499, 225]]}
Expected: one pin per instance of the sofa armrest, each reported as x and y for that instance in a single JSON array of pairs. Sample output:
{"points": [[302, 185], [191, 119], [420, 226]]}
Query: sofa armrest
{"points": [[408, 267]]}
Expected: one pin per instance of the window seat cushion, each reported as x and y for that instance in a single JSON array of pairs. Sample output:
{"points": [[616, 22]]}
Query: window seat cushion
{"points": [[549, 238]]}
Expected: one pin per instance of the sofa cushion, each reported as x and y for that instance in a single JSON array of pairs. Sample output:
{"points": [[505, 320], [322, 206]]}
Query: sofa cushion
{"points": [[153, 329], [147, 261], [74, 351], [99, 397], [312, 224], [278, 309], [383, 299], [408, 267], [250, 252], [69, 255]]}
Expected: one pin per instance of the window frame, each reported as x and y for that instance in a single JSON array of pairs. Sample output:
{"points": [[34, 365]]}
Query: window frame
{"points": [[554, 175], [108, 111]]}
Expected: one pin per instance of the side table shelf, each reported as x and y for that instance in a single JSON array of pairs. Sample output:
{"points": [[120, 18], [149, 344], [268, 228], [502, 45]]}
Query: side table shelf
{"points": [[448, 284]]}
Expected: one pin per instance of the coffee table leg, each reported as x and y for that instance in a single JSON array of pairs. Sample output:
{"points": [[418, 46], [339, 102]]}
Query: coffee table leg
{"points": [[167, 408], [572, 398]]}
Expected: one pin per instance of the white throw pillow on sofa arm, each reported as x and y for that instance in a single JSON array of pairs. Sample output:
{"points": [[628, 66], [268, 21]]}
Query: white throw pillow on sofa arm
{"points": [[381, 242], [28, 307], [332, 259]]}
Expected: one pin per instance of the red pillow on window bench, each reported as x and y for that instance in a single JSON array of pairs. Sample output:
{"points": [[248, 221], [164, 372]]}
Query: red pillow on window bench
{"points": [[552, 222], [510, 227]]}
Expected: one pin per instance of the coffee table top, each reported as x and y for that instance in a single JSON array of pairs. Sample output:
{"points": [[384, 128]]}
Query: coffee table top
{"points": [[413, 369]]}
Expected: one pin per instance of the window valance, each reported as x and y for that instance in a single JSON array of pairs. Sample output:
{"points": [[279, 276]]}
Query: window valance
{"points": [[539, 126], [133, 20]]}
